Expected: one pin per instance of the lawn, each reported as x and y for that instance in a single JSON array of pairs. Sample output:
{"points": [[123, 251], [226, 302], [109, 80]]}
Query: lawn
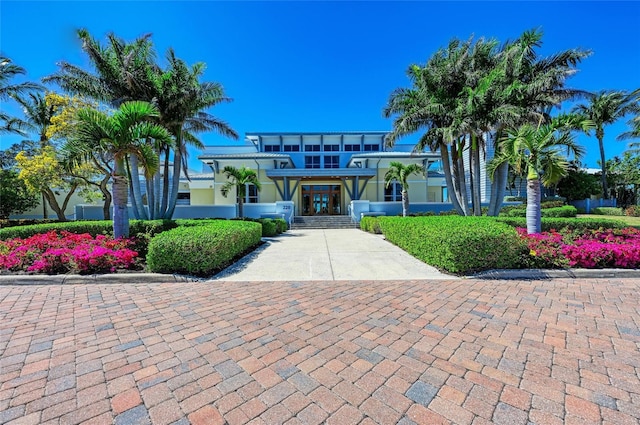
{"points": [[631, 221]]}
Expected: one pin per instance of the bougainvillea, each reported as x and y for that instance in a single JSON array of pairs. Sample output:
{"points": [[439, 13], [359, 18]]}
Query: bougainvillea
{"points": [[587, 249], [66, 252]]}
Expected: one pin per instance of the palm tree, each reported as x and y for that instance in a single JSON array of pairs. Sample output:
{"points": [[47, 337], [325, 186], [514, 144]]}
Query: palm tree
{"points": [[606, 107], [239, 178], [8, 90], [536, 152], [398, 172], [121, 134]]}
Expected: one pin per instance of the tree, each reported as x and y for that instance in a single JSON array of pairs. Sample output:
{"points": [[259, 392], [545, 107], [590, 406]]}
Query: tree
{"points": [[16, 197], [121, 134], [624, 175], [603, 108], [535, 150], [398, 172], [577, 184], [128, 71], [239, 179], [8, 90]]}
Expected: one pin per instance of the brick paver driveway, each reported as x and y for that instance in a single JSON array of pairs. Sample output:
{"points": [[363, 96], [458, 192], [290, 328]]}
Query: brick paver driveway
{"points": [[464, 352]]}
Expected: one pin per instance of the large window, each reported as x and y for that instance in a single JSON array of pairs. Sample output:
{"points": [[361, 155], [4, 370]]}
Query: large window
{"points": [[292, 148], [352, 147], [331, 148], [393, 192], [312, 148], [331, 161], [251, 196], [272, 148], [372, 147], [312, 161]]}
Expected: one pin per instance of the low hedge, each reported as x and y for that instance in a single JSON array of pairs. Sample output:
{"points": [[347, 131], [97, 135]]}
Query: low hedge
{"points": [[201, 250], [562, 211], [370, 224], [632, 211], [456, 244], [269, 227], [566, 223], [614, 211]]}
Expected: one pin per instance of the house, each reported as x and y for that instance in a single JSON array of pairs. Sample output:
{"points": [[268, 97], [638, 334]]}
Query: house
{"points": [[322, 173]]}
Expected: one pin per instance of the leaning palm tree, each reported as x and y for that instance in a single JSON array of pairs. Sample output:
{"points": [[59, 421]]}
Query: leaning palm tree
{"points": [[239, 179], [8, 90], [121, 134], [536, 152], [398, 172], [603, 108]]}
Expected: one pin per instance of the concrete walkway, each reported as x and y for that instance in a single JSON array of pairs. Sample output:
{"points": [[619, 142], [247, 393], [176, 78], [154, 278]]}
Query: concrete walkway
{"points": [[332, 254]]}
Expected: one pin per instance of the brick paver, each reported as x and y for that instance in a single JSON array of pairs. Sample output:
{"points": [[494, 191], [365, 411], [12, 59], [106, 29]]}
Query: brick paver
{"points": [[386, 352]]}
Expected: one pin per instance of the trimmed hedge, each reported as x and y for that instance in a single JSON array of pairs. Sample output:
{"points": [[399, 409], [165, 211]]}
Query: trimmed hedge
{"points": [[555, 211], [94, 228], [614, 211], [370, 224], [549, 224], [269, 227], [201, 250], [633, 211], [456, 244]]}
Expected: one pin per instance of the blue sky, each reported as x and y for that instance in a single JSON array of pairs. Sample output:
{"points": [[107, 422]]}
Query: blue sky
{"points": [[325, 66]]}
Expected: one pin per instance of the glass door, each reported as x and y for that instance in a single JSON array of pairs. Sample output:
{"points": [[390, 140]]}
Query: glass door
{"points": [[321, 200]]}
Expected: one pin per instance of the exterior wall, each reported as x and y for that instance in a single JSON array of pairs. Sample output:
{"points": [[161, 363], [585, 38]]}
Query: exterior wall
{"points": [[37, 212], [202, 196]]}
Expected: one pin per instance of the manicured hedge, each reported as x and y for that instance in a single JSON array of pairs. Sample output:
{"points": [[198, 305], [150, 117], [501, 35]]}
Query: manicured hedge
{"points": [[370, 224], [581, 223], [563, 211], [607, 211], [94, 228], [269, 227], [201, 250], [456, 244], [633, 211]]}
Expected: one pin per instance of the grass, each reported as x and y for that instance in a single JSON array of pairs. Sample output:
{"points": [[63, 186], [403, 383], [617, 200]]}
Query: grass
{"points": [[631, 221]]}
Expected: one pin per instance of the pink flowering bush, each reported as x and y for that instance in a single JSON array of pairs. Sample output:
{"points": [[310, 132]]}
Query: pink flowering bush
{"points": [[54, 253], [618, 248]]}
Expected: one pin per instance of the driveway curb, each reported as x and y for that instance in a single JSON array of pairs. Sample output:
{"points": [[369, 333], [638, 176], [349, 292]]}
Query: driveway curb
{"points": [[541, 274], [74, 279]]}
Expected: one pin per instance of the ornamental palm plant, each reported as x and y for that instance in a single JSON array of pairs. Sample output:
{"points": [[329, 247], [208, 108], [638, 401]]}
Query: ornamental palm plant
{"points": [[121, 134], [603, 108], [8, 90], [536, 151], [398, 172], [238, 179]]}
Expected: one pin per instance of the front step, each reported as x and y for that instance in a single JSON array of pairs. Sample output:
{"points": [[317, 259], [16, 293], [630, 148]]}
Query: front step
{"points": [[323, 222]]}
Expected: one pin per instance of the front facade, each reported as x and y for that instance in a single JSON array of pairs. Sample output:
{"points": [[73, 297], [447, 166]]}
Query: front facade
{"points": [[321, 173]]}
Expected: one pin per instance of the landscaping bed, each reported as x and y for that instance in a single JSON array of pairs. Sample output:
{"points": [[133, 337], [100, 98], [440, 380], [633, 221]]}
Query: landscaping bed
{"points": [[194, 247]]}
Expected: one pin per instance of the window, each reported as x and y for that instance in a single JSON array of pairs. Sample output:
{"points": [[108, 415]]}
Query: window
{"points": [[332, 161], [312, 161], [312, 148], [184, 198], [393, 193], [352, 148], [372, 147], [331, 148], [272, 148], [251, 196], [292, 148]]}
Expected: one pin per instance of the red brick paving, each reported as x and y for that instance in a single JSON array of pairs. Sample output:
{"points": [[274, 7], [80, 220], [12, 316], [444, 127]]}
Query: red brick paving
{"points": [[412, 352]]}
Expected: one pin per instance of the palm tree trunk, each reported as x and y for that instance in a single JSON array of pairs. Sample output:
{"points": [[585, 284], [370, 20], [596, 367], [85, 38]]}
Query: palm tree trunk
{"points": [[136, 198], [165, 186], [459, 180], [177, 167], [151, 197], [446, 168], [240, 207], [603, 178], [106, 207], [405, 202], [498, 188], [534, 223], [120, 192], [477, 188]]}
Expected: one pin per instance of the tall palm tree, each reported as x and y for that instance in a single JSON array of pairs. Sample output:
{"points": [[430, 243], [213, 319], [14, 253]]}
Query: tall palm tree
{"points": [[398, 172], [239, 179], [536, 152], [121, 134], [603, 108]]}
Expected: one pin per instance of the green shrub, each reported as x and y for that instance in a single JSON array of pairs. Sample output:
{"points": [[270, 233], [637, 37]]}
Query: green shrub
{"points": [[281, 225], [12, 222], [370, 224], [566, 223], [633, 211], [551, 204], [564, 211], [94, 228], [201, 250], [269, 227], [607, 211], [456, 244]]}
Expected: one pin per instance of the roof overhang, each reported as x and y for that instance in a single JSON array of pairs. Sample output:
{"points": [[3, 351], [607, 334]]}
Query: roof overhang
{"points": [[315, 173]]}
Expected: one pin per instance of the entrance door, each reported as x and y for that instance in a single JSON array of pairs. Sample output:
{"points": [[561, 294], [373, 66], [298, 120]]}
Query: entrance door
{"points": [[321, 200]]}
